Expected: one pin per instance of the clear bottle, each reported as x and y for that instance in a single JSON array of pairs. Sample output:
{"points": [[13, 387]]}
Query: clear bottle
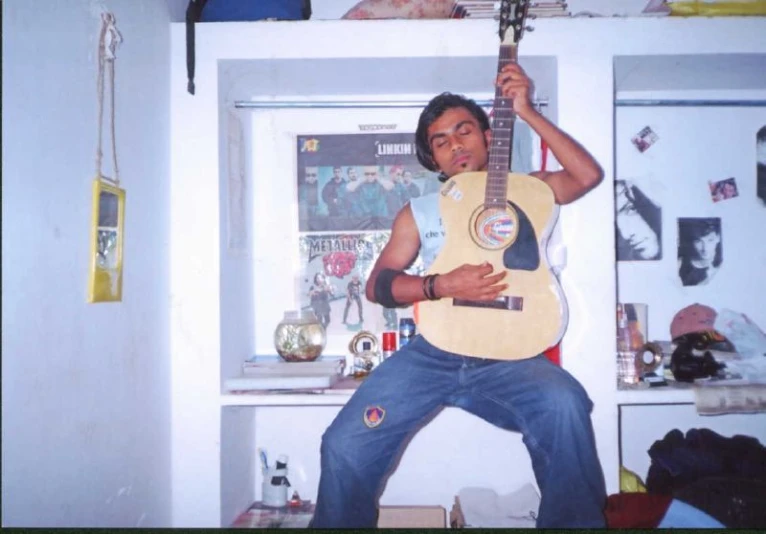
{"points": [[626, 356], [365, 361], [623, 332]]}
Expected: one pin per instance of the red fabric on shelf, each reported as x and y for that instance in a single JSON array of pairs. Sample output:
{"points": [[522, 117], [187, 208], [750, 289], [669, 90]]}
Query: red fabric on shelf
{"points": [[636, 510]]}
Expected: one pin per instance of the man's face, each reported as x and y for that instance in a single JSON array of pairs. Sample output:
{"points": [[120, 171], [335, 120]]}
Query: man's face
{"points": [[311, 175], [336, 174], [705, 247], [632, 226], [458, 143], [352, 174], [370, 174], [407, 177]]}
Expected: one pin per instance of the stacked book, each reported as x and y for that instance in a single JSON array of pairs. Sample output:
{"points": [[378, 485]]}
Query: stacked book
{"points": [[487, 9]]}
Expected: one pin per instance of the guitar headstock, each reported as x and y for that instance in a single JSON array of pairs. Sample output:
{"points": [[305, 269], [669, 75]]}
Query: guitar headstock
{"points": [[513, 16]]}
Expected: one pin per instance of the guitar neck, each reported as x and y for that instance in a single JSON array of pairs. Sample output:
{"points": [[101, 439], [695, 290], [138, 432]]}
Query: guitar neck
{"points": [[501, 148]]}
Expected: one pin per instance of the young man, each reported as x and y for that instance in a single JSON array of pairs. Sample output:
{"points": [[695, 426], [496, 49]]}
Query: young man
{"points": [[532, 396]]}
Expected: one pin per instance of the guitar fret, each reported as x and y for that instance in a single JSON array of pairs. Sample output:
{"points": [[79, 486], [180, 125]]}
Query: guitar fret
{"points": [[500, 150]]}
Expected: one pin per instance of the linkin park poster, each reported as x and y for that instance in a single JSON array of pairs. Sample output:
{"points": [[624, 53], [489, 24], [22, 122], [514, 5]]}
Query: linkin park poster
{"points": [[357, 182]]}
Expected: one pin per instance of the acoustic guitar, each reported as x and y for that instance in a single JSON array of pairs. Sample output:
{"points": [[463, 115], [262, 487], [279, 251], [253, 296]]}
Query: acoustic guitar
{"points": [[505, 219]]}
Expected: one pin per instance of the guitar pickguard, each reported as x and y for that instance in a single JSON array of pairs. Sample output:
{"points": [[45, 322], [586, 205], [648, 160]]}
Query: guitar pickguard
{"points": [[524, 253]]}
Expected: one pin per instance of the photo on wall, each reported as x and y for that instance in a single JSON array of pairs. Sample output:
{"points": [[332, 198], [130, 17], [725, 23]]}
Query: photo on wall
{"points": [[638, 221], [760, 151], [700, 250], [357, 182], [724, 189]]}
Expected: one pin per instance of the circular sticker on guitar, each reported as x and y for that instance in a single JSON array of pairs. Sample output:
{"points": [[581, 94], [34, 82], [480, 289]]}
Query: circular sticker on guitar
{"points": [[495, 228]]}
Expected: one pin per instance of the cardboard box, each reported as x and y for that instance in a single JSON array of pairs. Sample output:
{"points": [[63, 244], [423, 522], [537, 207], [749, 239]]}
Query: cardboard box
{"points": [[412, 517]]}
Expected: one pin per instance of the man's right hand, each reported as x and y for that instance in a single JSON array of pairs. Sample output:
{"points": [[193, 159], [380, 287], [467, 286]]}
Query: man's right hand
{"points": [[472, 282]]}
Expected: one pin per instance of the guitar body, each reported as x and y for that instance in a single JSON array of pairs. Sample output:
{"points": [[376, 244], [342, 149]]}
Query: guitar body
{"points": [[531, 314]]}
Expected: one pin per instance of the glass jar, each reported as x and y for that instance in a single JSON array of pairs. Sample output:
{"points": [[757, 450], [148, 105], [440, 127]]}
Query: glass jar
{"points": [[299, 337]]}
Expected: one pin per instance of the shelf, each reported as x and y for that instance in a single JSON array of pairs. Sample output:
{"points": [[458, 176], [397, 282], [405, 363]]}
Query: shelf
{"points": [[670, 394], [337, 395], [335, 398]]}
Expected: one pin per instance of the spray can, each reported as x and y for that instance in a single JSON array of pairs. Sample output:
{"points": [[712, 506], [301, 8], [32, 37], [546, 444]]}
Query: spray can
{"points": [[389, 344], [406, 331]]}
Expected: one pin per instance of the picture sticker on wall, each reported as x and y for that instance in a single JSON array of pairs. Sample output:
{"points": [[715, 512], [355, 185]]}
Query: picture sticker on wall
{"points": [[644, 139], [638, 221], [723, 189], [700, 249]]}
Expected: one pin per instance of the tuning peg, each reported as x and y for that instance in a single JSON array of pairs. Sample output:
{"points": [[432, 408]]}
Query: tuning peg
{"points": [[529, 28]]}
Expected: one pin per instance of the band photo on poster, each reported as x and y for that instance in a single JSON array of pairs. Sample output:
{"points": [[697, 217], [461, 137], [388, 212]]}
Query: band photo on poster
{"points": [[357, 182]]}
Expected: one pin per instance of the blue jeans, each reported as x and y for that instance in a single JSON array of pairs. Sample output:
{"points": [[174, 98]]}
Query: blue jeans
{"points": [[533, 396]]}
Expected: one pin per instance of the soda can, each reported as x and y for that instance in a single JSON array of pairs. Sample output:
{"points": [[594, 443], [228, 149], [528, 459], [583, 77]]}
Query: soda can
{"points": [[406, 331]]}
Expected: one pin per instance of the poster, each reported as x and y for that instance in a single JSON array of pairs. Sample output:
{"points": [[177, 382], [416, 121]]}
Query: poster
{"points": [[350, 188], [334, 271], [700, 249], [357, 182], [638, 221]]}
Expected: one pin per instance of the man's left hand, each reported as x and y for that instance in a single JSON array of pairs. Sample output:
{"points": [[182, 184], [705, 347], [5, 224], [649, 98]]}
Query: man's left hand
{"points": [[514, 83]]}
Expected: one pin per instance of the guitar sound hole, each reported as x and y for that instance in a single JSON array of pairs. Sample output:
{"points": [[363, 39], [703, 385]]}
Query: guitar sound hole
{"points": [[494, 228]]}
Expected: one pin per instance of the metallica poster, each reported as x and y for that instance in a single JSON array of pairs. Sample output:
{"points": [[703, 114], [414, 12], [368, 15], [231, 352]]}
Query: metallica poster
{"points": [[357, 182], [335, 268]]}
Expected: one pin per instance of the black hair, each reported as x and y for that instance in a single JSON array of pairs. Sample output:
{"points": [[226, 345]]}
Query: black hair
{"points": [[435, 109], [689, 230], [650, 212]]}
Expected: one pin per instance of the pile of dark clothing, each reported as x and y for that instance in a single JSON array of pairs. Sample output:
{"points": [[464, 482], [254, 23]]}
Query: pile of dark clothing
{"points": [[723, 477]]}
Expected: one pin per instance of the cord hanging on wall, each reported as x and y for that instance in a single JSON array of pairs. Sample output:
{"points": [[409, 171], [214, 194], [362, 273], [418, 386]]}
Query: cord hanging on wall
{"points": [[107, 223]]}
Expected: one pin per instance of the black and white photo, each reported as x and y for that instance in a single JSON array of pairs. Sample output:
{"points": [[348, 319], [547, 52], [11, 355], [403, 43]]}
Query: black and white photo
{"points": [[638, 221], [700, 249]]}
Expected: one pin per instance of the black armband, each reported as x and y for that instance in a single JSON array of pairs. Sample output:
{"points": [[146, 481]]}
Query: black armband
{"points": [[383, 284]]}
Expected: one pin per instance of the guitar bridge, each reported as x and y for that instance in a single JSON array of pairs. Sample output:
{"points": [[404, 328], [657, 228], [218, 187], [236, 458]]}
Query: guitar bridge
{"points": [[500, 303]]}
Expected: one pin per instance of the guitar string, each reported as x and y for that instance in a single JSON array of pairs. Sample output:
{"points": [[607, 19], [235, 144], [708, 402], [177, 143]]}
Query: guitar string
{"points": [[501, 149]]}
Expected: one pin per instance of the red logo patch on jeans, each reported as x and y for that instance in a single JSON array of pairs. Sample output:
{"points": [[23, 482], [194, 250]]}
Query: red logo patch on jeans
{"points": [[373, 416]]}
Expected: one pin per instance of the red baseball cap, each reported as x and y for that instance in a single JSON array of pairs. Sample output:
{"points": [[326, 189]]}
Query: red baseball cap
{"points": [[694, 318]]}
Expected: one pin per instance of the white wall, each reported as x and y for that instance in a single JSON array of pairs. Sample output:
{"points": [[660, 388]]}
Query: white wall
{"points": [[696, 145], [86, 387]]}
